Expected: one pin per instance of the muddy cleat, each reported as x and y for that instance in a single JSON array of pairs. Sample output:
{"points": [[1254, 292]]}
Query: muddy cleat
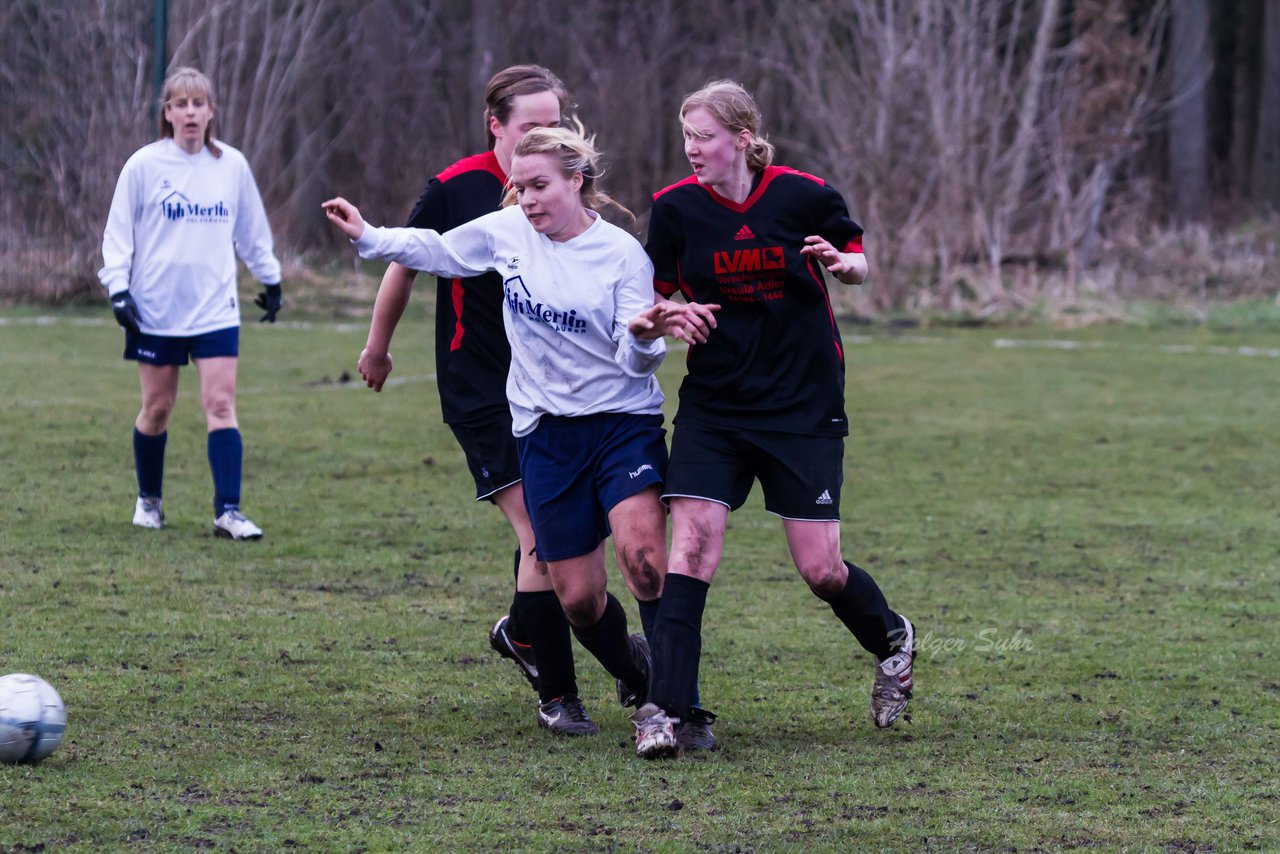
{"points": [[655, 733], [522, 654], [148, 513], [566, 716], [694, 731], [634, 696], [892, 688], [234, 526]]}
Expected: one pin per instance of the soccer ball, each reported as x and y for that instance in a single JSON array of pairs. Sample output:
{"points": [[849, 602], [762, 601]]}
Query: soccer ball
{"points": [[32, 718]]}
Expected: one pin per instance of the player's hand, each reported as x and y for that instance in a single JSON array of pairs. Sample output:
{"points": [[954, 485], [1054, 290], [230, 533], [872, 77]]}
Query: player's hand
{"points": [[374, 367], [270, 301], [691, 322], [849, 267], [126, 312], [344, 216]]}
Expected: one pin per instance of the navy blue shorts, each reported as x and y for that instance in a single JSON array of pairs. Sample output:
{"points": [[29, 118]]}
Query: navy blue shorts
{"points": [[801, 475], [576, 469], [176, 350], [490, 450]]}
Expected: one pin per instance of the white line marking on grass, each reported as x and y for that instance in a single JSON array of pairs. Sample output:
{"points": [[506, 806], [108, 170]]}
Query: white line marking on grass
{"points": [[299, 325], [1177, 349], [334, 385]]}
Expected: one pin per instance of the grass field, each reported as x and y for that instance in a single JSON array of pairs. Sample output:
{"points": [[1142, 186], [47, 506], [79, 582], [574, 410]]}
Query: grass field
{"points": [[1085, 528]]}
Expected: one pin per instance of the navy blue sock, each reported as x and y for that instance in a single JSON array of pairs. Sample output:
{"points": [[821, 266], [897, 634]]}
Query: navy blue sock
{"points": [[148, 462], [225, 454], [677, 644], [607, 641], [548, 631], [863, 609]]}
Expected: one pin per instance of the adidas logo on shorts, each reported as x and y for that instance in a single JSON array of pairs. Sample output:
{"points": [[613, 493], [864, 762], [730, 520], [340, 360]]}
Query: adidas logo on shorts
{"points": [[824, 498]]}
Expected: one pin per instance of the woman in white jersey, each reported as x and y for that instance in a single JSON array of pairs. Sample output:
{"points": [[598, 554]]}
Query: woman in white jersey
{"points": [[184, 207], [586, 408]]}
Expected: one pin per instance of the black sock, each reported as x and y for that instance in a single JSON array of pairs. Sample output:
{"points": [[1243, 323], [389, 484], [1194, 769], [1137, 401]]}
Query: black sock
{"points": [[677, 643], [863, 609], [607, 641], [648, 618], [515, 628], [648, 614], [548, 629]]}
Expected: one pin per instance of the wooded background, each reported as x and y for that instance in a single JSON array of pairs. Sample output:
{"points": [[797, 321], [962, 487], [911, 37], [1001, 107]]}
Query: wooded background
{"points": [[999, 153]]}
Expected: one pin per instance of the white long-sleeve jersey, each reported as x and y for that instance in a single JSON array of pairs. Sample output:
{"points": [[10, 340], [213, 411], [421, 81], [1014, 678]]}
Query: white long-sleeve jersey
{"points": [[566, 309], [177, 223]]}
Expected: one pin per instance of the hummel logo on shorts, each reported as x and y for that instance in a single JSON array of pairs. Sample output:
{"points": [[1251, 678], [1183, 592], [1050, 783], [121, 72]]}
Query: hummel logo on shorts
{"points": [[824, 498]]}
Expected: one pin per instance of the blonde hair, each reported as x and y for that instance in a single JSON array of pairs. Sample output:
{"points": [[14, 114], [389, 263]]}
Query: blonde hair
{"points": [[188, 81], [577, 154], [732, 106]]}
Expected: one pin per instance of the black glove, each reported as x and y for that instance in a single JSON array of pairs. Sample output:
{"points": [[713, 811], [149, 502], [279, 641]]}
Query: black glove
{"points": [[126, 312], [269, 301]]}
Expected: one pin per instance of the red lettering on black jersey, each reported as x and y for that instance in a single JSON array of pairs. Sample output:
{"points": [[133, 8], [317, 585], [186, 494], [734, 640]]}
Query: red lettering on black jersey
{"points": [[748, 260]]}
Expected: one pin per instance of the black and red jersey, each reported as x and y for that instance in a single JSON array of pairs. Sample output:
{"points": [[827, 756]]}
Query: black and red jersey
{"points": [[472, 353], [775, 360]]}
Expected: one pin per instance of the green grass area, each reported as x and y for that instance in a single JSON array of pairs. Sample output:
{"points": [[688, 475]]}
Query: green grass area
{"points": [[1084, 526]]}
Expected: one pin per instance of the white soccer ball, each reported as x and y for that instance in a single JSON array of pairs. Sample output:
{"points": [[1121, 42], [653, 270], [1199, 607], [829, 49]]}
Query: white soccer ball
{"points": [[32, 718]]}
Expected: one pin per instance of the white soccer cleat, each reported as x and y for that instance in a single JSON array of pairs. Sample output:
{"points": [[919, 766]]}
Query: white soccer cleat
{"points": [[892, 688], [655, 733], [232, 525], [148, 513]]}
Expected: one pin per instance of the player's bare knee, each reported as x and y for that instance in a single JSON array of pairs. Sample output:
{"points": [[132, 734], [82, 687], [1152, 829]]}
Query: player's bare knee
{"points": [[219, 409], [154, 416], [824, 579], [580, 608], [644, 578]]}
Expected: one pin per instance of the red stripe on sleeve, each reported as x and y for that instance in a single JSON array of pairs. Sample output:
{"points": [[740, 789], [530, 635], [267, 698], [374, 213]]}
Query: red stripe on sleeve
{"points": [[458, 330]]}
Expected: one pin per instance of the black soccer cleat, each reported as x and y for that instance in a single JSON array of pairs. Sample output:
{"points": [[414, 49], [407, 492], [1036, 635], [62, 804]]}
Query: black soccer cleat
{"points": [[634, 696], [566, 716], [522, 655]]}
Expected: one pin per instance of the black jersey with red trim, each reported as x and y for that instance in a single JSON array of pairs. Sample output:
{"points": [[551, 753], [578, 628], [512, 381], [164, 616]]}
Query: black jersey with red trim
{"points": [[775, 360], [472, 353]]}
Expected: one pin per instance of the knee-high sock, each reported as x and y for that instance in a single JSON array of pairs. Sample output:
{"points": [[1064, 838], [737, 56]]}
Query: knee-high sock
{"points": [[863, 609], [148, 462], [548, 631], [677, 643], [607, 641], [515, 627], [226, 451], [648, 617]]}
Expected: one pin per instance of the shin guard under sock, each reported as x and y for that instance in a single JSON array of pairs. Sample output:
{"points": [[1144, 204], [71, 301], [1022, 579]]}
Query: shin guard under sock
{"points": [[226, 452], [515, 628], [677, 643], [648, 617], [607, 641], [148, 462], [548, 631], [863, 609]]}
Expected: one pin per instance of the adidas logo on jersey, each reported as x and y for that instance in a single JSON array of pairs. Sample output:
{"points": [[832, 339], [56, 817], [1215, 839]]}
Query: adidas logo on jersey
{"points": [[744, 233], [824, 498]]}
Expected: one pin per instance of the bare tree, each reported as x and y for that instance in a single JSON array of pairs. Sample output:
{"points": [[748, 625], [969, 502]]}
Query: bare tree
{"points": [[1266, 147], [1188, 140]]}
